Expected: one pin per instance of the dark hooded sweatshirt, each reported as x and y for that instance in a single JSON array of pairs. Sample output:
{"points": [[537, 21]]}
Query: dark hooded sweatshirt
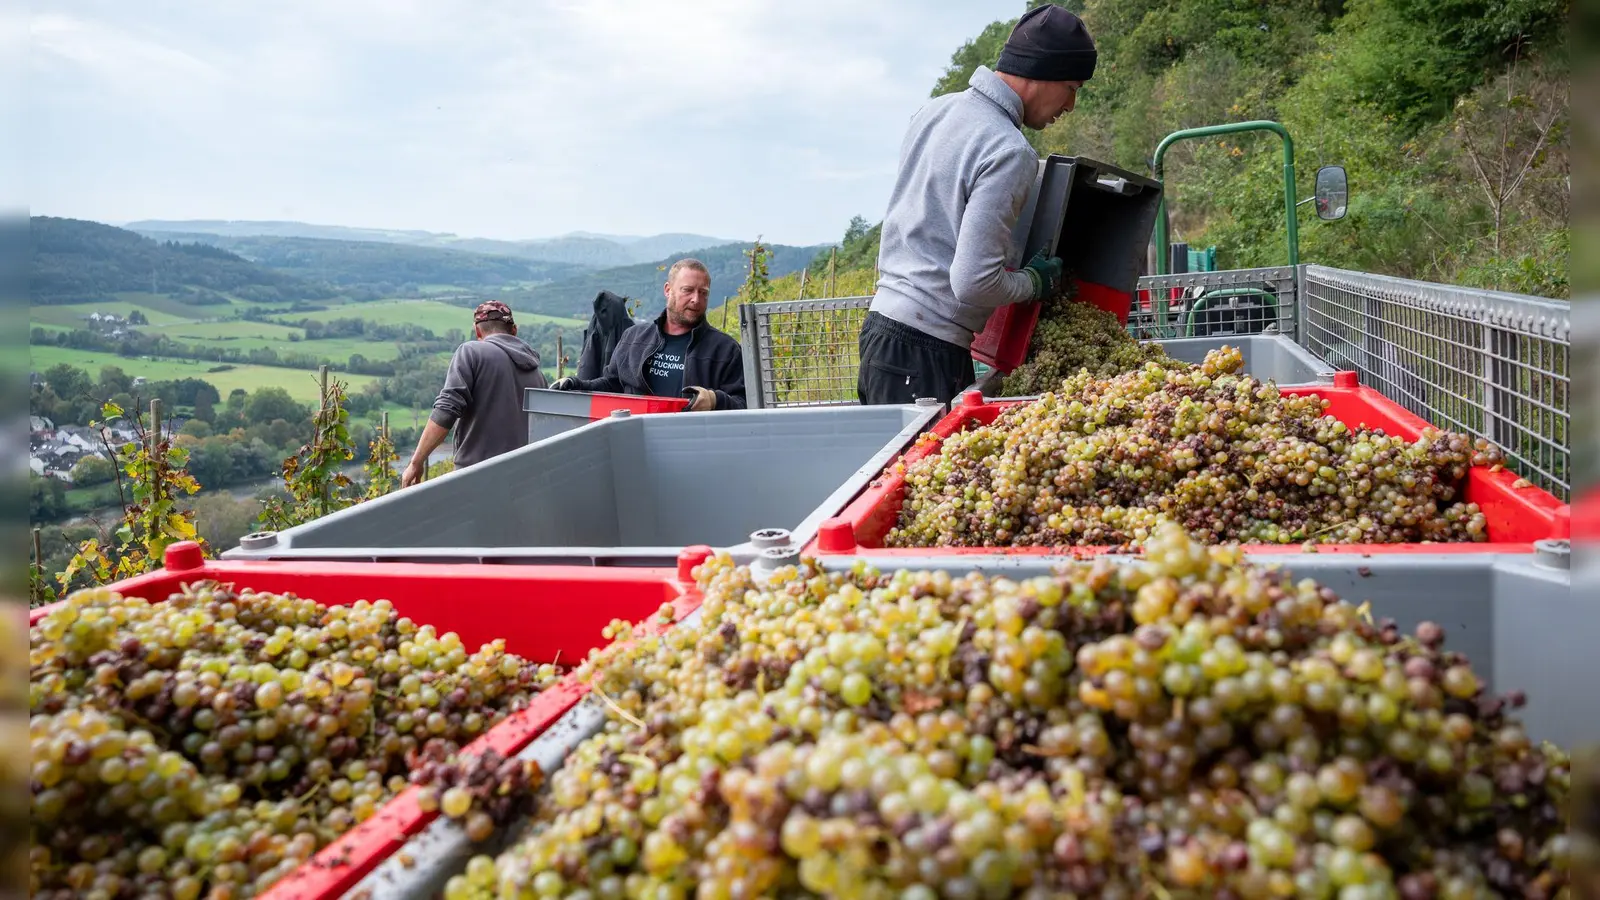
{"points": [[712, 360], [605, 329], [482, 394]]}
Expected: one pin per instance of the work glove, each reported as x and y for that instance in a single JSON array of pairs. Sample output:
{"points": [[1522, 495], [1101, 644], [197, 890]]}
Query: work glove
{"points": [[565, 384], [1045, 272], [700, 399]]}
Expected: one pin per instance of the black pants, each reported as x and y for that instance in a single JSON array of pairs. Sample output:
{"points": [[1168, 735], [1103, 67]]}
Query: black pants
{"points": [[900, 364]]}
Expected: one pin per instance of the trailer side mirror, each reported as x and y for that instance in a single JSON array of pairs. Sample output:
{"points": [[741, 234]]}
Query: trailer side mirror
{"points": [[1333, 192]]}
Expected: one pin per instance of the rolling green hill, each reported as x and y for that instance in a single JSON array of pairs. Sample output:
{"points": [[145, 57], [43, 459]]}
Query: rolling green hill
{"points": [[383, 268], [74, 261]]}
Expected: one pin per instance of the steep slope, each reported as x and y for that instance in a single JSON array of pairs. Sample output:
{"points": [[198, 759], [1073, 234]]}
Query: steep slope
{"points": [[1450, 116]]}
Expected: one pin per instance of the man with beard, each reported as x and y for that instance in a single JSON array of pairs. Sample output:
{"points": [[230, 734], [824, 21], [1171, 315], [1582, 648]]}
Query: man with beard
{"points": [[677, 355]]}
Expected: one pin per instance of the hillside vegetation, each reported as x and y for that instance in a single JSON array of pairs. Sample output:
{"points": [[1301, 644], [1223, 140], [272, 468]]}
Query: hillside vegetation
{"points": [[75, 261], [1450, 116], [383, 269]]}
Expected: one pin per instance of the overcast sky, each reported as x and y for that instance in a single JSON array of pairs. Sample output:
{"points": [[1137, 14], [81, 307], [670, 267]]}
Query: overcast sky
{"points": [[492, 118]]}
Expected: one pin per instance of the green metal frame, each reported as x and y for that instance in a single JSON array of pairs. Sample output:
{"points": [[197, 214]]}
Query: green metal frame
{"points": [[1222, 294], [1289, 203]]}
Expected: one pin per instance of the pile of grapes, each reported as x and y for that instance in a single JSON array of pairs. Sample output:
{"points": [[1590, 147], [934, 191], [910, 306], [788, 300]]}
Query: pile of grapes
{"points": [[1071, 337], [207, 745], [13, 743], [1187, 728], [1101, 459]]}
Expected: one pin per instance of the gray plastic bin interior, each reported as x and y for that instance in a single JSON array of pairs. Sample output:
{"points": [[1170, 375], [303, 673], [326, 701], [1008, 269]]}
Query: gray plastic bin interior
{"points": [[630, 490], [1266, 356]]}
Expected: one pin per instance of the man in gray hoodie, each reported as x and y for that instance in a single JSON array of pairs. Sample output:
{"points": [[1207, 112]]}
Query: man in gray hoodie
{"points": [[946, 257], [482, 394]]}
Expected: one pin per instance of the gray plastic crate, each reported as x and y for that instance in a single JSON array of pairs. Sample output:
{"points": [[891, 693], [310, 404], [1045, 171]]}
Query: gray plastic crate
{"points": [[627, 490], [556, 412], [1266, 356], [1519, 621]]}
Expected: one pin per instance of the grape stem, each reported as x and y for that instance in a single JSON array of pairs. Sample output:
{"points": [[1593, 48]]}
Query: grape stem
{"points": [[617, 709]]}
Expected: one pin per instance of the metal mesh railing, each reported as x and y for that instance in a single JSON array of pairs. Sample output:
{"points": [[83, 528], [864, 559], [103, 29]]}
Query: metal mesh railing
{"points": [[1236, 302], [802, 352], [1490, 364]]}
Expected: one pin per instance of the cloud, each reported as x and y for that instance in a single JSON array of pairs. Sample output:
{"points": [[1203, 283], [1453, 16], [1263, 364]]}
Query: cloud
{"points": [[503, 118], [119, 59]]}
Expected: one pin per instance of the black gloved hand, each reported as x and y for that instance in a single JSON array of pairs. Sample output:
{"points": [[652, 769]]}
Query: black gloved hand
{"points": [[565, 384], [700, 399], [1045, 271]]}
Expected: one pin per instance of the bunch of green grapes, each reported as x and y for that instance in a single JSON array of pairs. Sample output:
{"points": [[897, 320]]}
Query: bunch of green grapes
{"points": [[1072, 337], [1230, 458], [209, 744], [1184, 727], [13, 742]]}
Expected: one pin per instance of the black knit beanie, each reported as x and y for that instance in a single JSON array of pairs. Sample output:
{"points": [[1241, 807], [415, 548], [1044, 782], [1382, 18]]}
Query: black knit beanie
{"points": [[1049, 44]]}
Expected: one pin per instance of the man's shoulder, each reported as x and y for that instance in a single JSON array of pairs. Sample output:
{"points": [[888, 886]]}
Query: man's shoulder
{"points": [[636, 333], [713, 338], [968, 119]]}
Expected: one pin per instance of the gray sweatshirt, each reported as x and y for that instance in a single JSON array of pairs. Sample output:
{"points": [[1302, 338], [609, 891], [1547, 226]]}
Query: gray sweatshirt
{"points": [[947, 242], [483, 393]]}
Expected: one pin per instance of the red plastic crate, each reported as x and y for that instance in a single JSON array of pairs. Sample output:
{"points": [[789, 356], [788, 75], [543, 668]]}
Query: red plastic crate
{"points": [[1003, 343], [542, 612], [1516, 516], [602, 405], [1586, 518]]}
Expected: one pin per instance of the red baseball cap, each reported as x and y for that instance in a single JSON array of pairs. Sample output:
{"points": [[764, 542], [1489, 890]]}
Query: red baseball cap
{"points": [[492, 309]]}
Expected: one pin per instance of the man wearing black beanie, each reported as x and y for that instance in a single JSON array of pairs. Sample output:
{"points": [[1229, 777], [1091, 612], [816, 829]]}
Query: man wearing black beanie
{"points": [[947, 256]]}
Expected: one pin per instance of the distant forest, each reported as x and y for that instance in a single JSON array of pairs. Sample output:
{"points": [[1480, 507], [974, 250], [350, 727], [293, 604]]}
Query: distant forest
{"points": [[76, 261]]}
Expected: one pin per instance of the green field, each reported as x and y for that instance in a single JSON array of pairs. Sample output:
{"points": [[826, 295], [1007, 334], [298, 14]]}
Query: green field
{"points": [[301, 385], [217, 326], [73, 315], [245, 335]]}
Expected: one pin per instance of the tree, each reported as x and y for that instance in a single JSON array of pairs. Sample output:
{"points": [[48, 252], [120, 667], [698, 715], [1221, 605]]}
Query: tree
{"points": [[196, 428], [47, 498], [268, 404], [68, 382], [857, 230], [115, 381], [204, 408], [91, 470], [1506, 130], [982, 50]]}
